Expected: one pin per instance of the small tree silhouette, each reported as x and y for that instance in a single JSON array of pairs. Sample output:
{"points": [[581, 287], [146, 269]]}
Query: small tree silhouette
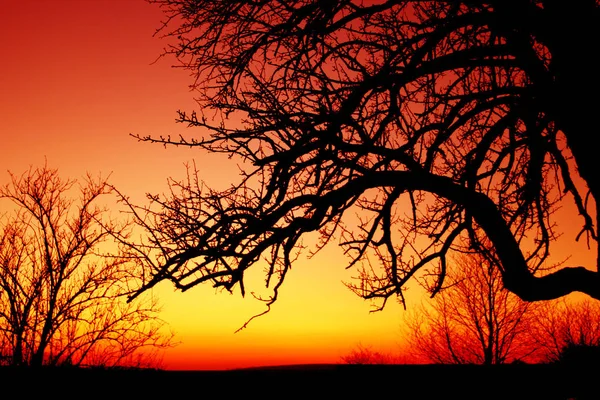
{"points": [[475, 320], [63, 281]]}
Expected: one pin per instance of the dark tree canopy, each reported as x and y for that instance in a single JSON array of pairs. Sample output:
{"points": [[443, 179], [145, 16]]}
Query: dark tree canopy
{"points": [[446, 125]]}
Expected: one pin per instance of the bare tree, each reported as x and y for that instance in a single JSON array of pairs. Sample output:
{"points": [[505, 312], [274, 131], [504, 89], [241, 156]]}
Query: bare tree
{"points": [[473, 321], [561, 327], [439, 123], [63, 281]]}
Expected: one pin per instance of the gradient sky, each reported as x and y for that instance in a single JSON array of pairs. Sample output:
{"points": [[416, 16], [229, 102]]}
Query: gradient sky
{"points": [[76, 78]]}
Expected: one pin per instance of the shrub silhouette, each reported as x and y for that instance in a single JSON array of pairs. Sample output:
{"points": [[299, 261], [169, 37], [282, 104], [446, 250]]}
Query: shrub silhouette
{"points": [[581, 355]]}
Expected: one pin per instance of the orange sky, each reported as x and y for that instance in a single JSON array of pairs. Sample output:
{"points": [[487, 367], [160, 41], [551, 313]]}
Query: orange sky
{"points": [[76, 77]]}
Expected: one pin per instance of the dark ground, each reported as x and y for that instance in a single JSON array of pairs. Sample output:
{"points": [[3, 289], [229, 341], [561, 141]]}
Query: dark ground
{"points": [[313, 382]]}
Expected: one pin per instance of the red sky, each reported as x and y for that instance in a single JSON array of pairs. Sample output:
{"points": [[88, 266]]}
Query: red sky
{"points": [[76, 78]]}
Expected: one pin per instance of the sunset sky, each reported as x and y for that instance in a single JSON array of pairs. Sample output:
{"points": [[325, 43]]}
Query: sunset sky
{"points": [[77, 77]]}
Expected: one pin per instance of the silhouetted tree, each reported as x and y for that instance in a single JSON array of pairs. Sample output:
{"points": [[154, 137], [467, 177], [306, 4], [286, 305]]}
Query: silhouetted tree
{"points": [[63, 281], [440, 122], [473, 321], [567, 331]]}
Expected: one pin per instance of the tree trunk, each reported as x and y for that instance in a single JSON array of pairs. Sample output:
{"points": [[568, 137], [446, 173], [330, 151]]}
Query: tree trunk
{"points": [[577, 87]]}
